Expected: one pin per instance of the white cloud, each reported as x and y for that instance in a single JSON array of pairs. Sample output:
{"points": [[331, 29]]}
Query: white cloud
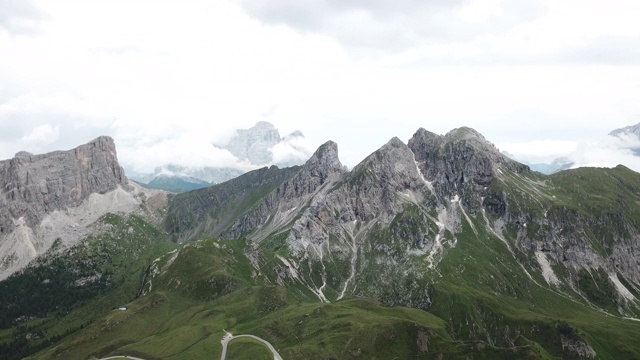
{"points": [[42, 135], [395, 26], [610, 151], [607, 151], [292, 151], [187, 150], [167, 79], [539, 151], [20, 17]]}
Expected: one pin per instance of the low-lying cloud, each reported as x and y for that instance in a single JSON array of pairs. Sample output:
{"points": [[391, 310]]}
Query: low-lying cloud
{"points": [[292, 151], [609, 151]]}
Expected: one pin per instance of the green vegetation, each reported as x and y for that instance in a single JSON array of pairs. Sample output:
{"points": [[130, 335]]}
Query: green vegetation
{"points": [[247, 348], [210, 211], [62, 293], [210, 288], [597, 287]]}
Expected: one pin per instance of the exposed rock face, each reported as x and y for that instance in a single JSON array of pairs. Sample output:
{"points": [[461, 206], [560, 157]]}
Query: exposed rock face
{"points": [[282, 204], [633, 132], [54, 196], [461, 163], [628, 130], [577, 347], [34, 185]]}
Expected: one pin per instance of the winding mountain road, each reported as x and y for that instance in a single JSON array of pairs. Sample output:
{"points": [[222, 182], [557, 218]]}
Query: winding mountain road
{"points": [[225, 341], [228, 337]]}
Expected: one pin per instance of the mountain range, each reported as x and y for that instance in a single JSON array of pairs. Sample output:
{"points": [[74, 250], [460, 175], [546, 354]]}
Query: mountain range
{"points": [[440, 247]]}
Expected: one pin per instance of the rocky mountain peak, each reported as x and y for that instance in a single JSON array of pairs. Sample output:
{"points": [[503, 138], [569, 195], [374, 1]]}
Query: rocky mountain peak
{"points": [[288, 199], [43, 197], [33, 185], [394, 143], [295, 134], [426, 136], [464, 133], [462, 161], [470, 138], [23, 154], [628, 130], [253, 144], [325, 157], [394, 154], [323, 165]]}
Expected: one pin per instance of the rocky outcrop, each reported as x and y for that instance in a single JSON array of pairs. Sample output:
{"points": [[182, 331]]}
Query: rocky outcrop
{"points": [[633, 130], [461, 163], [281, 205], [34, 185], [54, 198]]}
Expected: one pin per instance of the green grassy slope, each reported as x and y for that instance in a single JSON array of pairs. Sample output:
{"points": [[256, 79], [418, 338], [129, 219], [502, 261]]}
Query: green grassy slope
{"points": [[62, 293], [171, 323], [209, 211]]}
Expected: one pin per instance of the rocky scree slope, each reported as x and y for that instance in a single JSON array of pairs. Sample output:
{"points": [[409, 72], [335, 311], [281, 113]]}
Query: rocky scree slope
{"points": [[57, 196]]}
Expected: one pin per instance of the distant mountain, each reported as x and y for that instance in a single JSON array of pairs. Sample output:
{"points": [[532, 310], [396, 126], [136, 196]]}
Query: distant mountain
{"points": [[176, 183], [183, 174], [260, 145], [253, 144], [558, 164], [628, 130]]}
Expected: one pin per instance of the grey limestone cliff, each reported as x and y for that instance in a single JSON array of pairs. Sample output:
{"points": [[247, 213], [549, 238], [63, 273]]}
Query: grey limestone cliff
{"points": [[461, 163], [55, 197], [34, 185]]}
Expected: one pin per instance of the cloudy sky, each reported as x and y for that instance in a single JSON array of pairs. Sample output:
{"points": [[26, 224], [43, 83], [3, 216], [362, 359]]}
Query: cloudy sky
{"points": [[166, 79]]}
